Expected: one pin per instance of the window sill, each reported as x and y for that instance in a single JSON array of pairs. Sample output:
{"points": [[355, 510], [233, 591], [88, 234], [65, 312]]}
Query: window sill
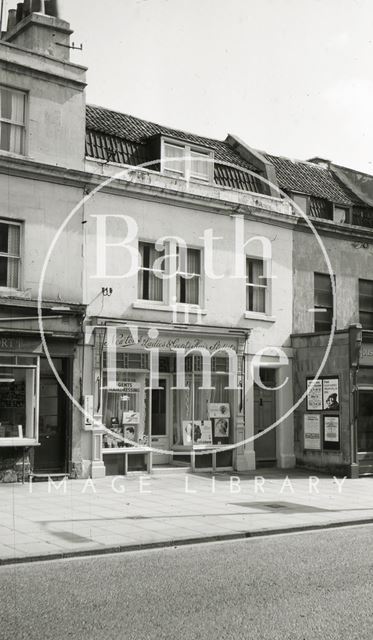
{"points": [[18, 442], [11, 154], [161, 306], [251, 315]]}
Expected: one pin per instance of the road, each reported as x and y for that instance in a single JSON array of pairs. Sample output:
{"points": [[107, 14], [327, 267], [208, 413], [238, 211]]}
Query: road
{"points": [[300, 587]]}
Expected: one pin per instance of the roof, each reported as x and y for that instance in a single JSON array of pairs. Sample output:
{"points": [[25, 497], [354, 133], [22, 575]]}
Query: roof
{"points": [[118, 137], [311, 179]]}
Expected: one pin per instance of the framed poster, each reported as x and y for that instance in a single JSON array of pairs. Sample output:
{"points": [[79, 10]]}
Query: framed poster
{"points": [[331, 435], [202, 432], [221, 428], [219, 410], [130, 433], [330, 394], [315, 396], [312, 432]]}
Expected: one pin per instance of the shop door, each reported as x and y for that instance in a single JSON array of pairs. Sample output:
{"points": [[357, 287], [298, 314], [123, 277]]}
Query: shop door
{"points": [[50, 457], [365, 431], [264, 416], [160, 422]]}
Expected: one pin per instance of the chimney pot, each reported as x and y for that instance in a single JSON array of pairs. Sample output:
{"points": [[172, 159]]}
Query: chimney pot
{"points": [[27, 7], [19, 14], [12, 19]]}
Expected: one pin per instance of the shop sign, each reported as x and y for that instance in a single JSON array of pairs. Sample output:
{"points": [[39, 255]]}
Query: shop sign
{"points": [[366, 355], [312, 432], [167, 343], [10, 344]]}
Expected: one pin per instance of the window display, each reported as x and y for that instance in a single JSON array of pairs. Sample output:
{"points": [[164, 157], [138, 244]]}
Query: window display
{"points": [[18, 402]]}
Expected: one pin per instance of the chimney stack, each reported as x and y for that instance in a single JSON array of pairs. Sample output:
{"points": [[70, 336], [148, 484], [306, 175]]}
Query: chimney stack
{"points": [[36, 25]]}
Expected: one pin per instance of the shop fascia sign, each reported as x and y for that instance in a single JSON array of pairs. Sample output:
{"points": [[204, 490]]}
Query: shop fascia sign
{"points": [[120, 339]]}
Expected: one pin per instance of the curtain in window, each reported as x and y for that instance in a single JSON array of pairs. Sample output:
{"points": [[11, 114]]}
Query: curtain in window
{"points": [[174, 158], [12, 107], [150, 283], [13, 250], [256, 293], [188, 288], [199, 165]]}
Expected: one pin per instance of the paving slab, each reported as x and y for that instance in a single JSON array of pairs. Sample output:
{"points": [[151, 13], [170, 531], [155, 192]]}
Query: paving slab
{"points": [[117, 514]]}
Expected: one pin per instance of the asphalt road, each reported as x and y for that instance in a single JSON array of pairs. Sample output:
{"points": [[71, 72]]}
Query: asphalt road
{"points": [[300, 587]]}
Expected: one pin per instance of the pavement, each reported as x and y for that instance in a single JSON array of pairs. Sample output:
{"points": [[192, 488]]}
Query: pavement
{"points": [[171, 507]]}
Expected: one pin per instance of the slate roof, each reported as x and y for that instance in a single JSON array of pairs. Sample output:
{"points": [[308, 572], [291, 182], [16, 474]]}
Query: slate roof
{"points": [[119, 137], [311, 179]]}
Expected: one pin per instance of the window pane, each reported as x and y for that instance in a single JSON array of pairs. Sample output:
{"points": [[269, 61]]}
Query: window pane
{"points": [[199, 165], [6, 103], [301, 201], [4, 237], [11, 138], [174, 158], [194, 261], [188, 290], [255, 272], [150, 283], [366, 303], [255, 299]]}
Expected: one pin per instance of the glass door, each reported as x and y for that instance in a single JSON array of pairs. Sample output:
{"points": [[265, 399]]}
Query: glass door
{"points": [[160, 421]]}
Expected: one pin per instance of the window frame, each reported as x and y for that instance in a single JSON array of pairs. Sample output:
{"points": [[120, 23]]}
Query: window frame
{"points": [[12, 123], [318, 307], [188, 148], [14, 257], [365, 312], [266, 287], [194, 275], [153, 271]]}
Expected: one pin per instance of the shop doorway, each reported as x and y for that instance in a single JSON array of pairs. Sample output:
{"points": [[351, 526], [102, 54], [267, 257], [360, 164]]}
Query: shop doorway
{"points": [[160, 421], [365, 431], [51, 456], [264, 416]]}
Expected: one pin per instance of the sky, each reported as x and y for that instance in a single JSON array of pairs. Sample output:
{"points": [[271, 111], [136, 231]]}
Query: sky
{"points": [[291, 77]]}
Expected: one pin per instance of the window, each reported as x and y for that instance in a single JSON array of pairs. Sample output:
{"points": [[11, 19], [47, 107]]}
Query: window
{"points": [[340, 215], [323, 302], [366, 303], [9, 255], [256, 286], [301, 201], [189, 277], [150, 277], [187, 161], [12, 120]]}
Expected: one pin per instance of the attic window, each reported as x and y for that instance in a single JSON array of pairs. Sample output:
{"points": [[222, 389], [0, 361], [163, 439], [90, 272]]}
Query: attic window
{"points": [[187, 161], [340, 214]]}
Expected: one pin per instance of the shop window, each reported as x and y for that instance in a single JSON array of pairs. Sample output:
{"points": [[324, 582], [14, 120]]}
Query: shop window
{"points": [[9, 255], [189, 277], [12, 120], [150, 273], [323, 302], [18, 403], [366, 303], [124, 411], [187, 161], [256, 286]]}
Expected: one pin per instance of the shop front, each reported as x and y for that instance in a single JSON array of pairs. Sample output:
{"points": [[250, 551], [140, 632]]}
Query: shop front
{"points": [[175, 399], [364, 405], [35, 413]]}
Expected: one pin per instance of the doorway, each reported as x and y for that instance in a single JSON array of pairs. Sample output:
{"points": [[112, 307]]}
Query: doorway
{"points": [[160, 421], [264, 416], [52, 454], [365, 431]]}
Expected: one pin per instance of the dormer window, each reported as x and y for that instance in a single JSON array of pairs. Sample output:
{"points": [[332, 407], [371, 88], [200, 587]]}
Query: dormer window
{"points": [[187, 161]]}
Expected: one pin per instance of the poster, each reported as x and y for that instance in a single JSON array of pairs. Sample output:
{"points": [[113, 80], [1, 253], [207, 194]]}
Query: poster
{"points": [[187, 433], [221, 428], [130, 417], [331, 429], [331, 394], [219, 410], [130, 433], [314, 398], [202, 432], [312, 432]]}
